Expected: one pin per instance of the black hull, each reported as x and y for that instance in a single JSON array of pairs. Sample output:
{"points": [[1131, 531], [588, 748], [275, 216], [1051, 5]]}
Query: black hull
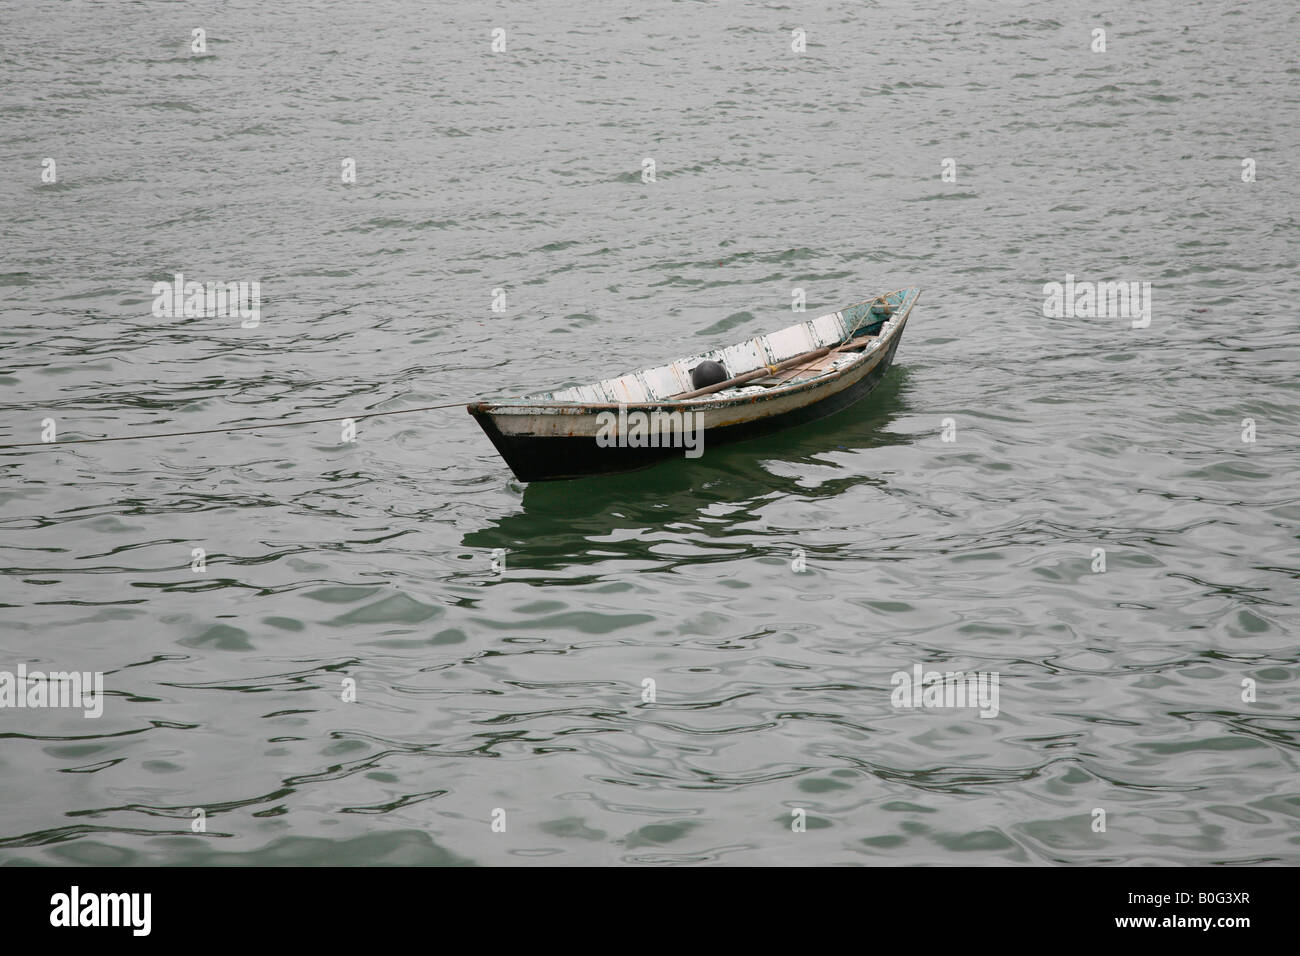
{"points": [[553, 459]]}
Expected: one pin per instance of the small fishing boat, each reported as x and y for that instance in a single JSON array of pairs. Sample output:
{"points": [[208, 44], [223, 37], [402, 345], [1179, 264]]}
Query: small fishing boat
{"points": [[796, 375]]}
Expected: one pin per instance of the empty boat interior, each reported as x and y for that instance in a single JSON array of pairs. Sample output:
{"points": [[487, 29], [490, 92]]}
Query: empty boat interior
{"points": [[846, 333]]}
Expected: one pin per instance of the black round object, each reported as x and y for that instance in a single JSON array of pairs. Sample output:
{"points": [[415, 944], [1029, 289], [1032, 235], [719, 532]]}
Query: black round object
{"points": [[708, 373]]}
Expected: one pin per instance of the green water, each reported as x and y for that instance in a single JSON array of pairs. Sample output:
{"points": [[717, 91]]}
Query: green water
{"points": [[499, 637]]}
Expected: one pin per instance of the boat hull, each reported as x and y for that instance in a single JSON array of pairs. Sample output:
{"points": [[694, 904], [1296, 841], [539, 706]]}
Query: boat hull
{"points": [[557, 444]]}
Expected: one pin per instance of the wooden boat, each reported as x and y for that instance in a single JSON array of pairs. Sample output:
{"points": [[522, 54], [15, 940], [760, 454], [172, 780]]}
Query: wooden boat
{"points": [[796, 375]]}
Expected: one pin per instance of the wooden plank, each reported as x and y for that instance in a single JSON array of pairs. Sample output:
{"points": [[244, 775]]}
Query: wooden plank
{"points": [[813, 368], [808, 369], [749, 376]]}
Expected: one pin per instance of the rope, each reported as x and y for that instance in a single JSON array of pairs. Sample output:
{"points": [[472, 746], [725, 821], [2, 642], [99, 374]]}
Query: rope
{"points": [[857, 325], [231, 428], [333, 418], [884, 300]]}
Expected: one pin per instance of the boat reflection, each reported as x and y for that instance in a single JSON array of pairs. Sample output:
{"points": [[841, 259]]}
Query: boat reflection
{"points": [[561, 524]]}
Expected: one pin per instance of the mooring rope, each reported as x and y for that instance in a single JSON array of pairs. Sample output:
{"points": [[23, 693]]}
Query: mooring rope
{"points": [[231, 428], [320, 421]]}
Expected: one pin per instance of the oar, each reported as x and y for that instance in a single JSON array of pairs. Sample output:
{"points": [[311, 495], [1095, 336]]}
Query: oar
{"points": [[790, 362], [748, 376], [771, 369]]}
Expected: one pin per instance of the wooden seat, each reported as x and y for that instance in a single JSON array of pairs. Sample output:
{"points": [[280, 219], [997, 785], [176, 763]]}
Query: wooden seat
{"points": [[809, 370]]}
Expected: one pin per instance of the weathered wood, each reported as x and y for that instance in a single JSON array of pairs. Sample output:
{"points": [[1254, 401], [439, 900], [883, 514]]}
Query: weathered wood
{"points": [[566, 434], [749, 376], [816, 366], [789, 369]]}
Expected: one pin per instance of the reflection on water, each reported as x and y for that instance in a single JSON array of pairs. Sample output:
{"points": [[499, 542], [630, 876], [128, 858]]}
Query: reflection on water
{"points": [[562, 524]]}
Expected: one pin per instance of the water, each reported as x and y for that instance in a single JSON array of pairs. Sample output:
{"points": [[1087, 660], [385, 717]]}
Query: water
{"points": [[522, 690]]}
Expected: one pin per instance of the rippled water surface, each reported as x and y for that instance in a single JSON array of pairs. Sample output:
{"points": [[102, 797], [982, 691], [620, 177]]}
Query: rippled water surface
{"points": [[522, 690]]}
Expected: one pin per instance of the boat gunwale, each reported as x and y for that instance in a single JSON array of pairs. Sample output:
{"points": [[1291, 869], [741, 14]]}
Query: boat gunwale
{"points": [[709, 402]]}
